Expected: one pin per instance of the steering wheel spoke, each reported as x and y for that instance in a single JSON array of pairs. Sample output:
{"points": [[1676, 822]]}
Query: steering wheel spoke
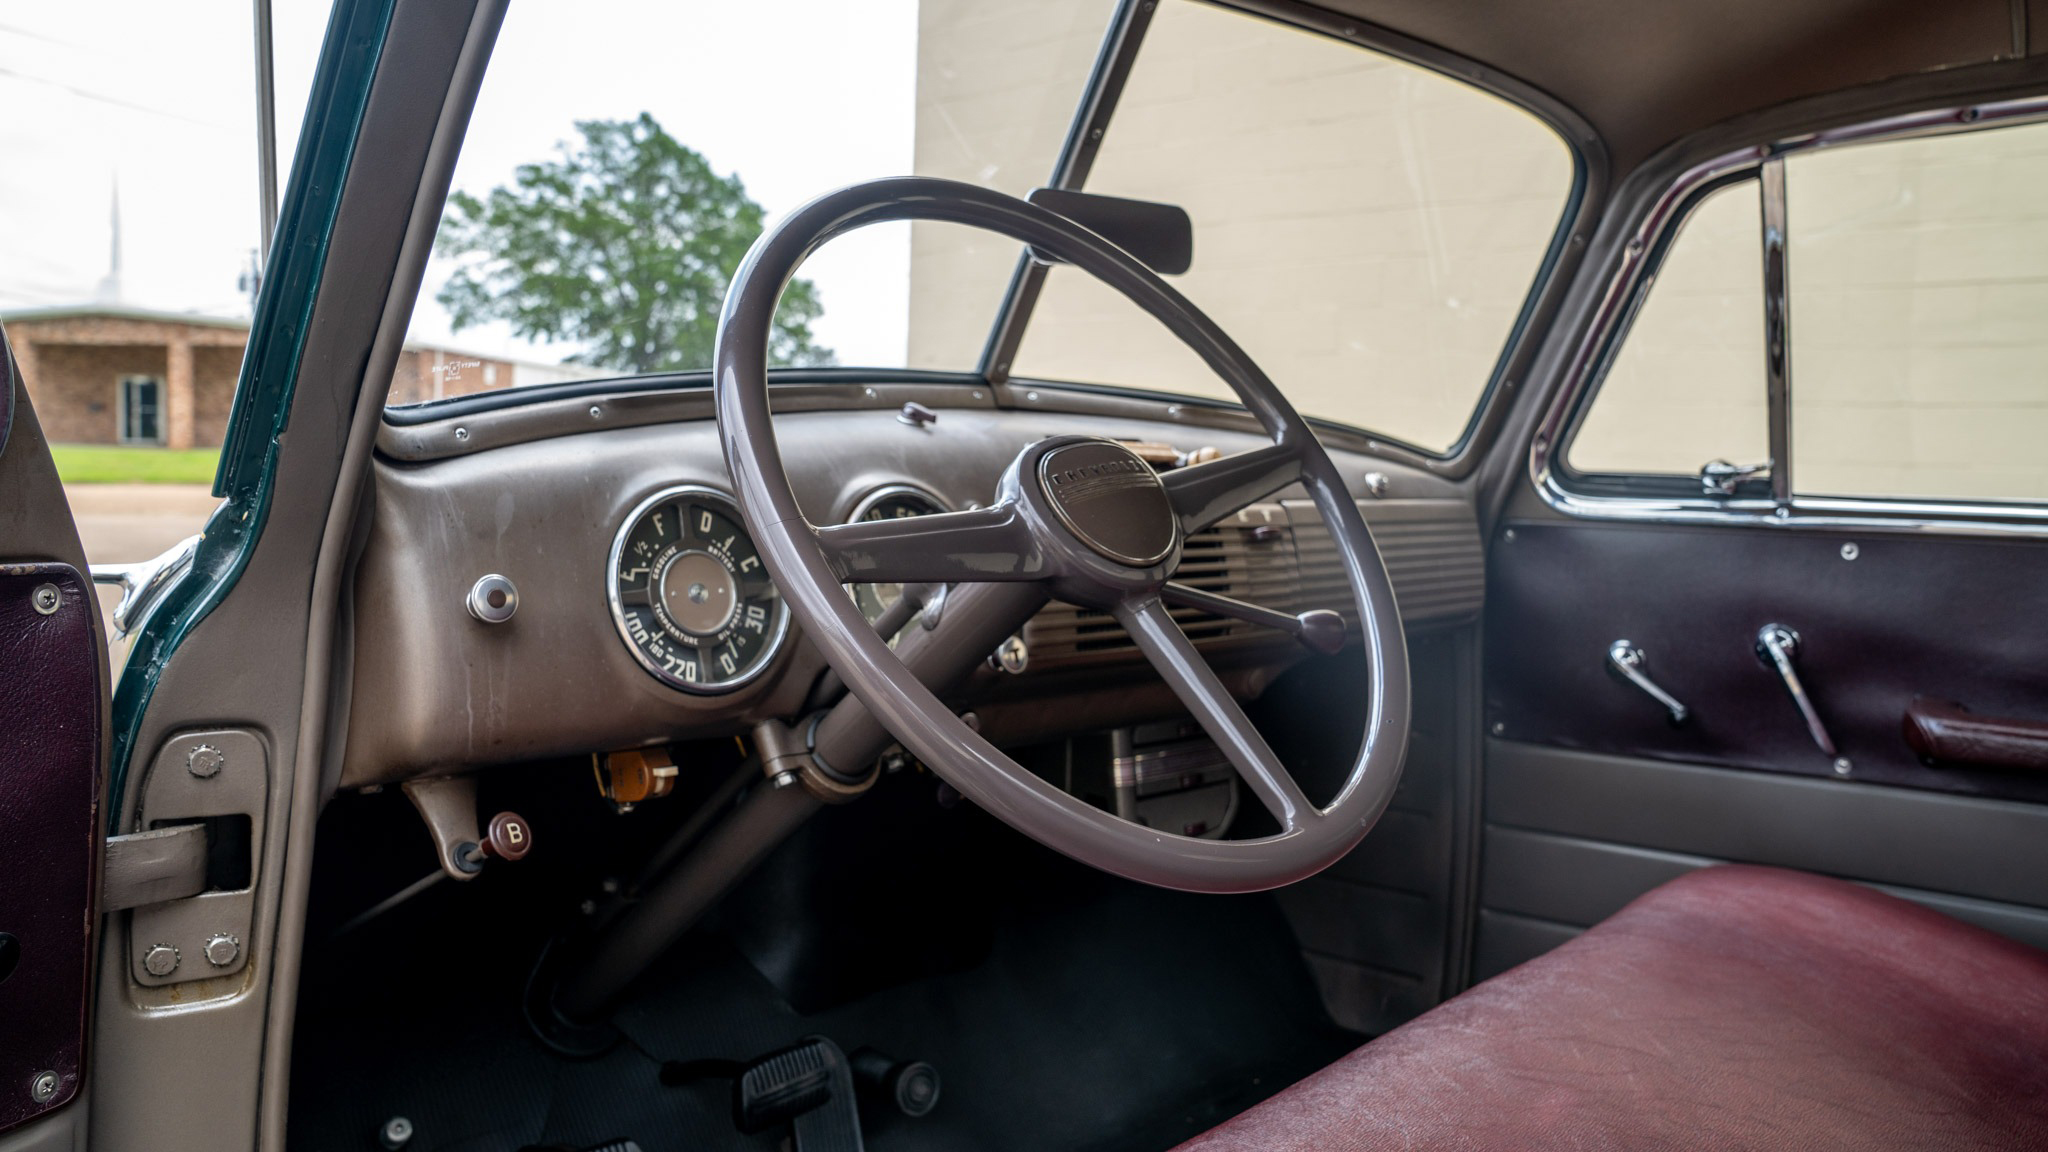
{"points": [[1197, 685], [982, 545], [1205, 493]]}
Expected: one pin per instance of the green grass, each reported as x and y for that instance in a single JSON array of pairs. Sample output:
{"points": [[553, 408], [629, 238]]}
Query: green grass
{"points": [[120, 464]]}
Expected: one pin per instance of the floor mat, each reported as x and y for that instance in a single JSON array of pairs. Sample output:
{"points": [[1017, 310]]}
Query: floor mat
{"points": [[1103, 1016]]}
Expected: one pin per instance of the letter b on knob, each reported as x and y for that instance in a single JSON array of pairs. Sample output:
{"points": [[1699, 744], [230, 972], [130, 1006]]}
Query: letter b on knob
{"points": [[509, 837]]}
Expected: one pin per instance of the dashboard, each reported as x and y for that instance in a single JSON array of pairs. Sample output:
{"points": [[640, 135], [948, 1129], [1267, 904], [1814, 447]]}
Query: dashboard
{"points": [[642, 613]]}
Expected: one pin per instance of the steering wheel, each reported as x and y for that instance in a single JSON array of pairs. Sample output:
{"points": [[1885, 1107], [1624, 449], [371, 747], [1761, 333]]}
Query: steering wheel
{"points": [[1093, 525]]}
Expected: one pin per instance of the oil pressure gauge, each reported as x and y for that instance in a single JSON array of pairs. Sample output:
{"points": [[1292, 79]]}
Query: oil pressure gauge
{"points": [[690, 595]]}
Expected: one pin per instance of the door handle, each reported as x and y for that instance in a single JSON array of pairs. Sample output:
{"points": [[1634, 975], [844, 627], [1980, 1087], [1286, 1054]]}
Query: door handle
{"points": [[1945, 732], [1777, 647], [1625, 661]]}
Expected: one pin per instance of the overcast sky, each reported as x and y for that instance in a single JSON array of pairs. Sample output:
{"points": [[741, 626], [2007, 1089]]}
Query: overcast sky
{"points": [[796, 96]]}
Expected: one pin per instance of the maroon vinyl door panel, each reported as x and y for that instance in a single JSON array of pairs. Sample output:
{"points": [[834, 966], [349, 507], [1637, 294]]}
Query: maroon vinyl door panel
{"points": [[1888, 618], [49, 843]]}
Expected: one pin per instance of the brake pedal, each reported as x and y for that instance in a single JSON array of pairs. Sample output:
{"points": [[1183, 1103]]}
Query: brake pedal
{"points": [[808, 1086]]}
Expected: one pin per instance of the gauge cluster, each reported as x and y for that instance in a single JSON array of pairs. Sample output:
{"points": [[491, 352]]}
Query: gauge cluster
{"points": [[689, 593]]}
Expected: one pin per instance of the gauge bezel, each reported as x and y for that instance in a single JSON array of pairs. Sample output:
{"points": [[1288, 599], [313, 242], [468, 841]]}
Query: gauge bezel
{"points": [[867, 502], [779, 628]]}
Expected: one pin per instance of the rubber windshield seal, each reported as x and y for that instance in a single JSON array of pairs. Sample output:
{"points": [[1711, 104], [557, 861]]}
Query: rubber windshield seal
{"points": [[270, 368]]}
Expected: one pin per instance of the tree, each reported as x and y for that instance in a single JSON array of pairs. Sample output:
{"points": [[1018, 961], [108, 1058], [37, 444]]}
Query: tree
{"points": [[625, 245]]}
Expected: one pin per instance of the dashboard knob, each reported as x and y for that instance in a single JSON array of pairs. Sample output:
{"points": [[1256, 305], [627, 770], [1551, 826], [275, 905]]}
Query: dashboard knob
{"points": [[492, 599], [509, 837]]}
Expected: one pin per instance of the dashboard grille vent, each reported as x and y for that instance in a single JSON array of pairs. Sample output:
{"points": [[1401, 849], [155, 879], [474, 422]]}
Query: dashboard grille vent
{"points": [[1281, 556]]}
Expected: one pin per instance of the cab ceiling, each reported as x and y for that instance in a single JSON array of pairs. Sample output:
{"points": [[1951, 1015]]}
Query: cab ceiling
{"points": [[1646, 72]]}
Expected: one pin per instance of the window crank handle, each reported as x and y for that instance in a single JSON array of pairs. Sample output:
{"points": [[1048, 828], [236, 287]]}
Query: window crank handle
{"points": [[1625, 661], [1776, 647]]}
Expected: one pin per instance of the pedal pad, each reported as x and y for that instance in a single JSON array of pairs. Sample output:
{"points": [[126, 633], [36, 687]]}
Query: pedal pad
{"points": [[808, 1086]]}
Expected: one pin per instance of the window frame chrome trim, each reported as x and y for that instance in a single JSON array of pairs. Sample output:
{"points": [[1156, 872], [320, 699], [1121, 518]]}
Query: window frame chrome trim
{"points": [[1625, 291], [1770, 182]]}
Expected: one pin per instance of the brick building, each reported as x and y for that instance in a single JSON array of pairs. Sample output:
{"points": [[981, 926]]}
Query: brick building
{"points": [[111, 374]]}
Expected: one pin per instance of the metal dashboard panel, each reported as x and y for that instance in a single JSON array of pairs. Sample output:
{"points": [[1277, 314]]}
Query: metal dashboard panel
{"points": [[436, 690]]}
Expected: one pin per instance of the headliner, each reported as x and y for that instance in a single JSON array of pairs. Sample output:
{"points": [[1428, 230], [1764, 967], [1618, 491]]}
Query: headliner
{"points": [[1646, 72]]}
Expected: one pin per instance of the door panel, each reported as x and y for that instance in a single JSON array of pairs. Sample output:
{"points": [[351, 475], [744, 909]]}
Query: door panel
{"points": [[1592, 796], [49, 787], [1949, 618], [52, 709]]}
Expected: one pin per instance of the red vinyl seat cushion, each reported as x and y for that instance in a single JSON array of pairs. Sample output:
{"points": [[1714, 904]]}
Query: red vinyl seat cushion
{"points": [[1734, 1007]]}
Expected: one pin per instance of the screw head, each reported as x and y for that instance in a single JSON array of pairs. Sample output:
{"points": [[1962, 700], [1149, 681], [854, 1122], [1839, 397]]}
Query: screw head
{"points": [[161, 960], [462, 433], [1499, 729], [46, 599], [222, 950], [596, 413], [1850, 551], [1508, 535], [1012, 656], [43, 1088], [396, 1133], [1843, 766], [205, 761]]}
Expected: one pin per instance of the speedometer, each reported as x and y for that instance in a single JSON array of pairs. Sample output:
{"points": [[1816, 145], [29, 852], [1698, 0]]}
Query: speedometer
{"points": [[690, 595], [891, 503]]}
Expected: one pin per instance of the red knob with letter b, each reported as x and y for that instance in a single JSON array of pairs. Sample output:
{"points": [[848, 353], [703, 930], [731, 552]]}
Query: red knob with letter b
{"points": [[509, 837]]}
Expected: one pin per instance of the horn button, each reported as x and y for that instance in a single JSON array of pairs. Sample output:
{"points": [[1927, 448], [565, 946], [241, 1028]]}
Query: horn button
{"points": [[1110, 501]]}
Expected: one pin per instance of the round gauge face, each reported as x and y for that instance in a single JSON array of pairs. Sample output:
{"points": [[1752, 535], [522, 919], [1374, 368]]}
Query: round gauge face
{"points": [[888, 504], [690, 594]]}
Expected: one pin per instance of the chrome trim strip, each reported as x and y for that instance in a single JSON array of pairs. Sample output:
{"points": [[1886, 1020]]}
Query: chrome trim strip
{"points": [[1777, 330], [1957, 517]]}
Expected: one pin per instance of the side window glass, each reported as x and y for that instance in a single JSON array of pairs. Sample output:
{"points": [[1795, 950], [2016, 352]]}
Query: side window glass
{"points": [[1918, 275], [1686, 387]]}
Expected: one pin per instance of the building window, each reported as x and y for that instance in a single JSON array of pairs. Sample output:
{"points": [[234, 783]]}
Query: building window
{"points": [[141, 405]]}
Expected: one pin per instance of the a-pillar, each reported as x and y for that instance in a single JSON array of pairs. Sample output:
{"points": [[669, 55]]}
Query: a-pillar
{"points": [[25, 363], [180, 408]]}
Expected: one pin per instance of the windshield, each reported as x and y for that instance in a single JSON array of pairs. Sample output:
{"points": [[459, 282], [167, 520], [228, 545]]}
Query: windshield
{"points": [[598, 210], [1366, 228]]}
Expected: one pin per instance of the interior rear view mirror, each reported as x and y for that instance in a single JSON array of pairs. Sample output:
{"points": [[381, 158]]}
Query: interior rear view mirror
{"points": [[1160, 235]]}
